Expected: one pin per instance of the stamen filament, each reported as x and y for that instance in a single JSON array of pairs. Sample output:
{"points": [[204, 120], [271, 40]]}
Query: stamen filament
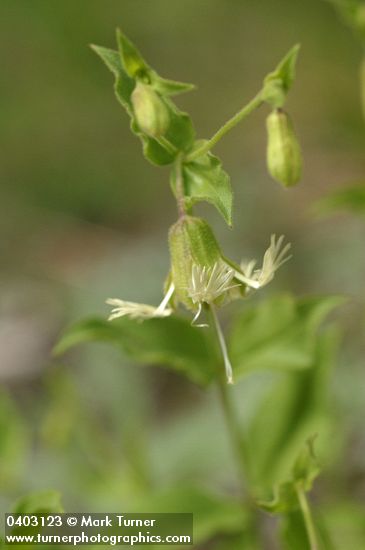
{"points": [[166, 299]]}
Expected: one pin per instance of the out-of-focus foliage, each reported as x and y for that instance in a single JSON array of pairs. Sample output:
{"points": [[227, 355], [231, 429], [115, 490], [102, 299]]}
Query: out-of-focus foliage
{"points": [[300, 402], [172, 342], [353, 12], [13, 441], [279, 333], [350, 199]]}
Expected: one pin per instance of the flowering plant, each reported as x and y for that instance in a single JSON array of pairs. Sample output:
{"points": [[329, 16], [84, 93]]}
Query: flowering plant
{"points": [[276, 469]]}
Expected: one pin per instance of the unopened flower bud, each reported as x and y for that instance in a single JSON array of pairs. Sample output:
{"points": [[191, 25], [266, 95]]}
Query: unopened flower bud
{"points": [[284, 160], [150, 111], [192, 242]]}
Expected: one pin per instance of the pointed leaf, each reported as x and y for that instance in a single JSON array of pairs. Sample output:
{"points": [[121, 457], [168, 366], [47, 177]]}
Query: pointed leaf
{"points": [[124, 85], [304, 471], [110, 57], [170, 341], [205, 180], [180, 134], [170, 87], [137, 68], [133, 63], [278, 83]]}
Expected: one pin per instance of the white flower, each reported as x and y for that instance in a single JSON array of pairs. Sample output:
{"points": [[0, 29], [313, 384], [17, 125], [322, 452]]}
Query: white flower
{"points": [[208, 283], [274, 257], [140, 311]]}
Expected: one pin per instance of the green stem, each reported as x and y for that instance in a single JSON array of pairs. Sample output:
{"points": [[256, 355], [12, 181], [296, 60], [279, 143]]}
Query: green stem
{"points": [[179, 186], [307, 517], [232, 421], [231, 123], [234, 430]]}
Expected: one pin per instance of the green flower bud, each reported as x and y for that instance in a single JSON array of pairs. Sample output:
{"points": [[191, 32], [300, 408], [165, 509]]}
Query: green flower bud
{"points": [[191, 242], [150, 110], [284, 160]]}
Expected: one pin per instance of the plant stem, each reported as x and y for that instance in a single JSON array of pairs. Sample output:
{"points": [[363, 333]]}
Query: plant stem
{"points": [[179, 186], [233, 426], [308, 520], [233, 429], [231, 123]]}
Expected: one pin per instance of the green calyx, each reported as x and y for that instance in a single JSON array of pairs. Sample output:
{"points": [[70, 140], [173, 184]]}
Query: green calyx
{"points": [[284, 159], [150, 110], [191, 242]]}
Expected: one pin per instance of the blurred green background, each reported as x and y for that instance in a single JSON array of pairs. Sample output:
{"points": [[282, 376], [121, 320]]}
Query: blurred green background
{"points": [[83, 217]]}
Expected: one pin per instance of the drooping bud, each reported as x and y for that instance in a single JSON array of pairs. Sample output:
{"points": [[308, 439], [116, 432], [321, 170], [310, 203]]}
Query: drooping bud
{"points": [[191, 242], [150, 111], [284, 159]]}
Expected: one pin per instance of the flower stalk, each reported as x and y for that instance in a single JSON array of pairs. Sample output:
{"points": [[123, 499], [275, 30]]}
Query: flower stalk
{"points": [[227, 127], [307, 518]]}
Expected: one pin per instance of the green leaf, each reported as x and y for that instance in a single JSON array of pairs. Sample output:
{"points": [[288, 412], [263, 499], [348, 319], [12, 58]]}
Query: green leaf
{"points": [[137, 68], [304, 471], [287, 498], [180, 134], [110, 57], [278, 83], [278, 334], [171, 341], [42, 502], [293, 533], [133, 63], [213, 514], [294, 408], [351, 199], [306, 467], [170, 87], [205, 180]]}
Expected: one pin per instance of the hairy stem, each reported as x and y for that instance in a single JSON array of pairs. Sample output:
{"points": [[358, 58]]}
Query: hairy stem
{"points": [[231, 123], [307, 517], [179, 186]]}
